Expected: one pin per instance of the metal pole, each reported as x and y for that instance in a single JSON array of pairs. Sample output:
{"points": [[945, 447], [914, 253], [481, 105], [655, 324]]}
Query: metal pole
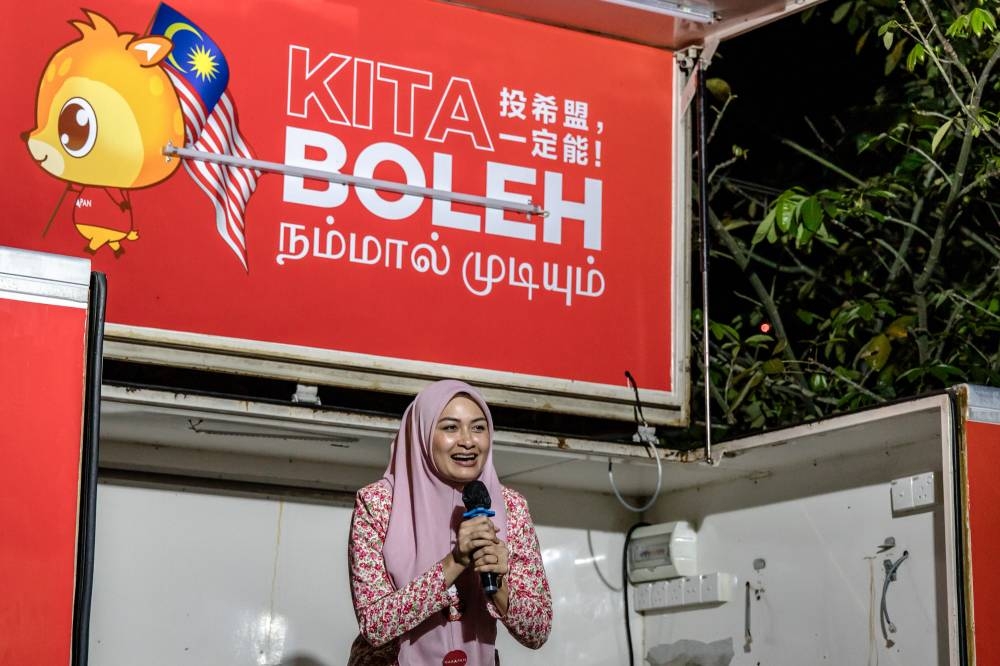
{"points": [[703, 228], [341, 179]]}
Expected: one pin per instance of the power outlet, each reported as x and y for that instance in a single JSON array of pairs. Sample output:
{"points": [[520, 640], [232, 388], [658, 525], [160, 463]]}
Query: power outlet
{"points": [[912, 492], [680, 594], [902, 494], [658, 598], [692, 590], [643, 597], [923, 490], [717, 587], [675, 592]]}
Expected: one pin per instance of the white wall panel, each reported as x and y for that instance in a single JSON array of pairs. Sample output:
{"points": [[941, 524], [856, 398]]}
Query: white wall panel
{"points": [[187, 577], [818, 526]]}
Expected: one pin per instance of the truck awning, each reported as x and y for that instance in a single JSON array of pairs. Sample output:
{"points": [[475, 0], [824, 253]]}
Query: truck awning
{"points": [[665, 24]]}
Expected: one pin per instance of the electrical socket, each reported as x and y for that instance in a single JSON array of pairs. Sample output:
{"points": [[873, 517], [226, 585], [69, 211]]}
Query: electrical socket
{"points": [[902, 494], [643, 597], [710, 588], [912, 492], [717, 587], [692, 590], [675, 592], [678, 594], [923, 489], [658, 597]]}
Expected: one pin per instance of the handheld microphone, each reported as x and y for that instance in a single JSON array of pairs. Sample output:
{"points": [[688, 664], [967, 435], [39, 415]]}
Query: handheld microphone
{"points": [[476, 498]]}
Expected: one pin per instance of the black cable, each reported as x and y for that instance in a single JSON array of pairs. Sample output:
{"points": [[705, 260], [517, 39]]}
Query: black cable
{"points": [[637, 408], [625, 583], [88, 472]]}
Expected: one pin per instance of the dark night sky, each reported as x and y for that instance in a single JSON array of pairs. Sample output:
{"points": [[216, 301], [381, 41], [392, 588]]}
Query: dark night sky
{"points": [[783, 72]]}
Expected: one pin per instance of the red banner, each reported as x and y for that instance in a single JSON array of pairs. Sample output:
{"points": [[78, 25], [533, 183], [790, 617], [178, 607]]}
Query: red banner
{"points": [[414, 91]]}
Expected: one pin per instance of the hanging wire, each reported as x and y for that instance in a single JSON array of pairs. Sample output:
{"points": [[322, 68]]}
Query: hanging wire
{"points": [[884, 621], [645, 434]]}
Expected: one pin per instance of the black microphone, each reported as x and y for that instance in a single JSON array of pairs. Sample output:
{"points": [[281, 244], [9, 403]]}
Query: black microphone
{"points": [[476, 498]]}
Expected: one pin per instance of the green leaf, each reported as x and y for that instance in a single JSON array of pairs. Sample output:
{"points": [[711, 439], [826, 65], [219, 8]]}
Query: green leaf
{"points": [[900, 327], [764, 229], [758, 340], [894, 57], [720, 331], [773, 366], [887, 39], [818, 382], [802, 236], [841, 12], [772, 234], [945, 372], [940, 134], [876, 352], [846, 373], [980, 20], [861, 42], [959, 26], [812, 214], [784, 211], [915, 57], [719, 88]]}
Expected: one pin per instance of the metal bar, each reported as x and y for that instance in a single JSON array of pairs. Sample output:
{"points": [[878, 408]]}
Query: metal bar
{"points": [[699, 71], [342, 179]]}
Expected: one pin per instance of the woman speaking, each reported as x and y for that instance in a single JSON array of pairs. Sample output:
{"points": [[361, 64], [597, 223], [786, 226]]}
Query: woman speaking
{"points": [[415, 559]]}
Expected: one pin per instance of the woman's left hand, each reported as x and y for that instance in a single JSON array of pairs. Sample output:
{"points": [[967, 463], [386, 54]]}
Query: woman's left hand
{"points": [[492, 558]]}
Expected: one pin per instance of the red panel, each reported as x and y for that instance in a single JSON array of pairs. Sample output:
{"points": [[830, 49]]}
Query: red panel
{"points": [[429, 81], [984, 500], [41, 413]]}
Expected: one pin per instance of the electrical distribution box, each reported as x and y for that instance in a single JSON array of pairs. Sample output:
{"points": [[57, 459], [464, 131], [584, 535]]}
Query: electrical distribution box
{"points": [[667, 550]]}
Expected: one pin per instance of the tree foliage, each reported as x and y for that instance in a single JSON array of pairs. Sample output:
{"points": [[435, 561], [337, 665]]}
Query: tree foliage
{"points": [[885, 281]]}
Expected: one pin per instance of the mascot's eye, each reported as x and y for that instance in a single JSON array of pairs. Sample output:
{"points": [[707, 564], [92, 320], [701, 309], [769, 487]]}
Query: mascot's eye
{"points": [[77, 127]]}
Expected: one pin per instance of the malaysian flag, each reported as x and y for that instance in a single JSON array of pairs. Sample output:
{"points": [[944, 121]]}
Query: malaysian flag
{"points": [[200, 75]]}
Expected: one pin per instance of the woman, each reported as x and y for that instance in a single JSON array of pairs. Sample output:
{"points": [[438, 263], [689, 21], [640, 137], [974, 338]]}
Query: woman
{"points": [[415, 562]]}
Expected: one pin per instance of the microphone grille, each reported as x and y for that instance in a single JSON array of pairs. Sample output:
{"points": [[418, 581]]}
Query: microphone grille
{"points": [[475, 494]]}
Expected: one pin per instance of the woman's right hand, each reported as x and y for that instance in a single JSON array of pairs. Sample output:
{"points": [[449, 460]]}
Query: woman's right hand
{"points": [[473, 534]]}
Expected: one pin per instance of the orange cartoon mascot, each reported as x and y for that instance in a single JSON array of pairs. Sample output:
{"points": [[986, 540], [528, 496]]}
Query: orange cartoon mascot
{"points": [[105, 110]]}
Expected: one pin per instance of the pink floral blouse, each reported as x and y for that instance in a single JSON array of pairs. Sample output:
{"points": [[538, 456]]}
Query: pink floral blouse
{"points": [[385, 613]]}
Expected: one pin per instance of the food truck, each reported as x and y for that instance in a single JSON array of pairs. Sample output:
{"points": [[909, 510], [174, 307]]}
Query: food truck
{"points": [[240, 236]]}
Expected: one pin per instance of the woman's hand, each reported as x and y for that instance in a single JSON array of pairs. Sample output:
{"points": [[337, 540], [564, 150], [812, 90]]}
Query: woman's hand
{"points": [[475, 534], [492, 559]]}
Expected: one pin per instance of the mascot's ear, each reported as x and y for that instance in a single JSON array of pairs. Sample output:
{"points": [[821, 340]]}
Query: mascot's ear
{"points": [[150, 51]]}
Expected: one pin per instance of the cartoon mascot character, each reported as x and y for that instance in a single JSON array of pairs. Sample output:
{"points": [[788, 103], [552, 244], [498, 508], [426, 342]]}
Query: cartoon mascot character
{"points": [[105, 110]]}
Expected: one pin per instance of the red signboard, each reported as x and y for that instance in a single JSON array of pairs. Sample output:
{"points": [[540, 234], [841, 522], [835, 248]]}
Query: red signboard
{"points": [[41, 412], [414, 91], [984, 536]]}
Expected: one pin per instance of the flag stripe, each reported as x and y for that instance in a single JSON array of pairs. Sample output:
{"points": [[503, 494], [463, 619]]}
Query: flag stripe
{"points": [[228, 187]]}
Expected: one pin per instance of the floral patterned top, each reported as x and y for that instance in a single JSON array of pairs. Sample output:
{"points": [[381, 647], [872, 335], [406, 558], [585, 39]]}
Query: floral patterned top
{"points": [[385, 613]]}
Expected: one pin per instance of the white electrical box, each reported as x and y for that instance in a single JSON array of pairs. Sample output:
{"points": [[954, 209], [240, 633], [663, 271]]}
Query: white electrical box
{"points": [[912, 492], [667, 550], [681, 593]]}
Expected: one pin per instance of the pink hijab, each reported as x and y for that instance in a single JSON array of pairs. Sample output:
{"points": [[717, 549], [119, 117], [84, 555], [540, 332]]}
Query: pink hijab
{"points": [[423, 523]]}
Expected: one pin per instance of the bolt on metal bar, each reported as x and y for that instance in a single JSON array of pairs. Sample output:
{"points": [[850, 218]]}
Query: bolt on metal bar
{"points": [[341, 179]]}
